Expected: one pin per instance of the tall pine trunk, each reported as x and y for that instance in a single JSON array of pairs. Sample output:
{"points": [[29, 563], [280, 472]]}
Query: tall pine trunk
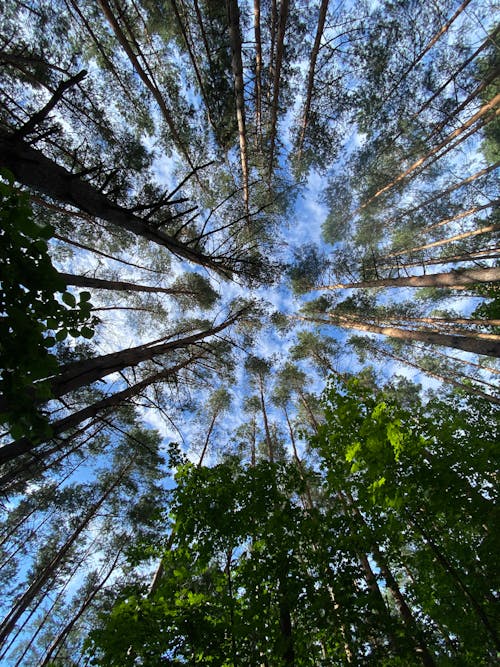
{"points": [[24, 445], [310, 77], [48, 572], [31, 168], [451, 279], [467, 343], [239, 91]]}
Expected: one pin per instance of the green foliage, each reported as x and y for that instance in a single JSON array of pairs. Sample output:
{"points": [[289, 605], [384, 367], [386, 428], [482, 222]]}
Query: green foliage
{"points": [[192, 287], [250, 548], [338, 197], [242, 545], [489, 309], [422, 480], [308, 267], [491, 142], [33, 319], [319, 305]]}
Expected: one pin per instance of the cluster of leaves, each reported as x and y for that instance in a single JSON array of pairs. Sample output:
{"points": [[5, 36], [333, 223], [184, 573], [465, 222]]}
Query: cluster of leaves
{"points": [[490, 308], [33, 319], [265, 562], [239, 557], [423, 479]]}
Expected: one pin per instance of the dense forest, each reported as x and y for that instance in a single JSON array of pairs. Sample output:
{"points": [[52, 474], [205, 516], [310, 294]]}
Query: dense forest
{"points": [[249, 331]]}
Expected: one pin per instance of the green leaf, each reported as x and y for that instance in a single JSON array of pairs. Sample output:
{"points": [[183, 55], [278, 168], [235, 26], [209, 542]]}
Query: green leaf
{"points": [[86, 332], [69, 299]]}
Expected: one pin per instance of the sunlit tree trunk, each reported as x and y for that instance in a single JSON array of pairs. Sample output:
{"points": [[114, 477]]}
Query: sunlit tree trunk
{"points": [[484, 45], [488, 253], [476, 122], [453, 279], [446, 191], [451, 239], [468, 343], [239, 91]]}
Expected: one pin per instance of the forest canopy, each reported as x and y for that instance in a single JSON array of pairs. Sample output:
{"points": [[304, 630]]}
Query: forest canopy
{"points": [[249, 332]]}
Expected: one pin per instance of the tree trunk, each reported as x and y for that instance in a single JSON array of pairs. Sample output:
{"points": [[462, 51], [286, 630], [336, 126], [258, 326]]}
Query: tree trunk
{"points": [[272, 47], [450, 322], [469, 388], [22, 446], [276, 82], [269, 442], [101, 50], [450, 239], [50, 570], [454, 112], [459, 216], [148, 82], [285, 622], [488, 253], [189, 45], [485, 44], [310, 77], [55, 600], [453, 573], [239, 91], [312, 417], [7, 534], [467, 362], [298, 461], [13, 475], [31, 168], [95, 251], [478, 119], [119, 285], [204, 37], [443, 193], [207, 439], [453, 279], [258, 73], [81, 373], [55, 646], [420, 647], [467, 343], [253, 455], [427, 48]]}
